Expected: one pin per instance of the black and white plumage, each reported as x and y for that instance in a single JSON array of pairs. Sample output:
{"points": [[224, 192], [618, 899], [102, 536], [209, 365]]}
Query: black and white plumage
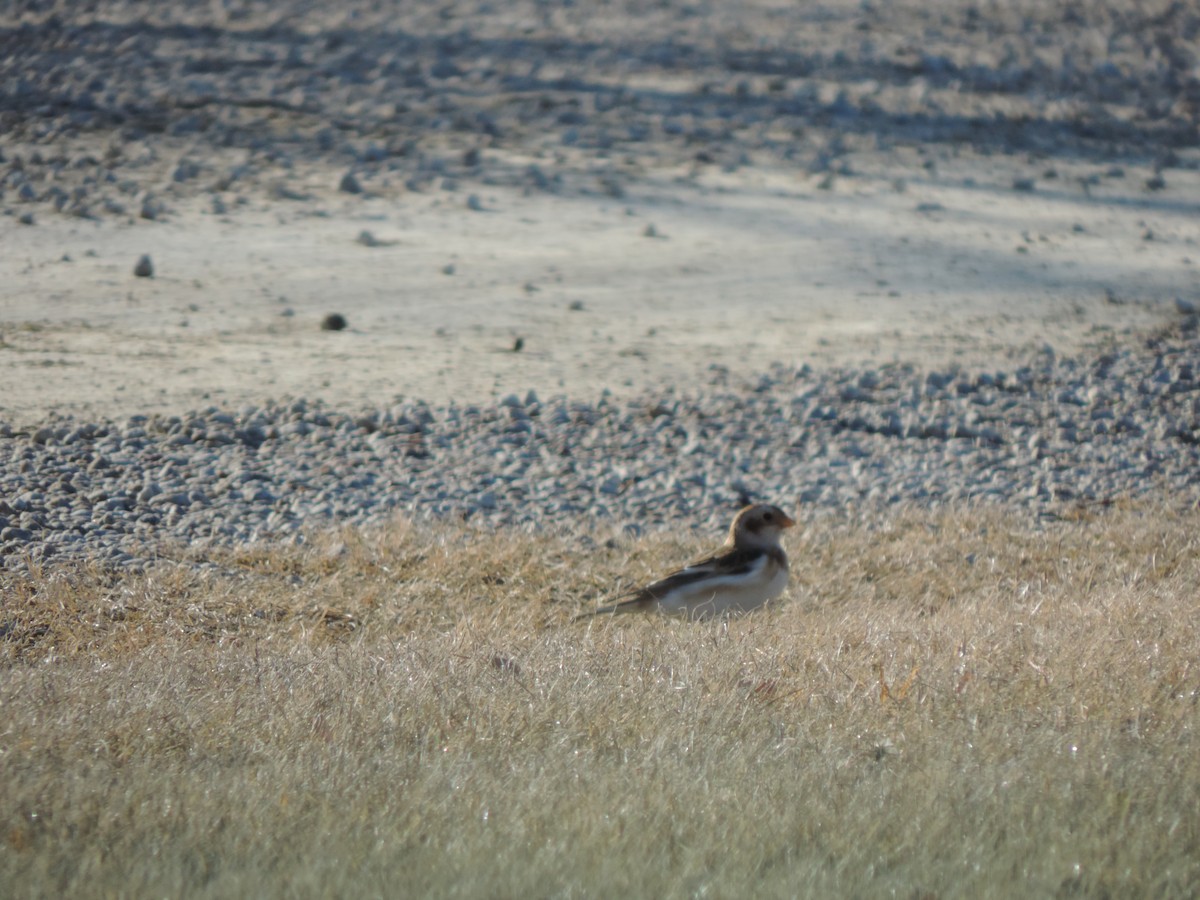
{"points": [[749, 570]]}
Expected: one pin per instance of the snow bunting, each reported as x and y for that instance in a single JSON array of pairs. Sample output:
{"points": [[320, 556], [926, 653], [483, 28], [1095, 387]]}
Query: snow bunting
{"points": [[750, 569]]}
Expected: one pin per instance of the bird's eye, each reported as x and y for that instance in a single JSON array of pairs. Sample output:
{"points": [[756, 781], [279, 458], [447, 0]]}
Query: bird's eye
{"points": [[768, 516]]}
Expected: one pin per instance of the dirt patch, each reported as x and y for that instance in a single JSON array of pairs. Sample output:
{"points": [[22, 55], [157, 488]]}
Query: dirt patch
{"points": [[628, 197]]}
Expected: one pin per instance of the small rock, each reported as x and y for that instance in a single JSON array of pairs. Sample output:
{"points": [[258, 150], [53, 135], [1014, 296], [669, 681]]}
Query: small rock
{"points": [[538, 178], [350, 184], [334, 322], [144, 267], [185, 171], [445, 68], [474, 203], [1024, 185], [281, 190]]}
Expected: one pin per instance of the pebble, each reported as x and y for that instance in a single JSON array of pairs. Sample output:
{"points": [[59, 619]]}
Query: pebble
{"points": [[331, 322], [1059, 429]]}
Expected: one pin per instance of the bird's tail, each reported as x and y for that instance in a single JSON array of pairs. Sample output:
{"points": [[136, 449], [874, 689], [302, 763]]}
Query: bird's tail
{"points": [[634, 604]]}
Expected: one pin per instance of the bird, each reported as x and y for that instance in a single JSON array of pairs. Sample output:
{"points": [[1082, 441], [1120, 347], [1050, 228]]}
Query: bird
{"points": [[747, 571]]}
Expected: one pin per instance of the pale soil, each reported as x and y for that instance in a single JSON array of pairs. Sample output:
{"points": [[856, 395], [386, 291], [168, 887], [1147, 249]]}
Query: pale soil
{"points": [[846, 239], [744, 272]]}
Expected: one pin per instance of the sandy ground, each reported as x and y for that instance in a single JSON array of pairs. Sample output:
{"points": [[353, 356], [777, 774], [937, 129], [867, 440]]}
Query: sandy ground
{"points": [[930, 252]]}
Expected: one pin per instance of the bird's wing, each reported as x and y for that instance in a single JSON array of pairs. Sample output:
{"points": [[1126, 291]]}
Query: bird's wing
{"points": [[730, 564], [713, 570]]}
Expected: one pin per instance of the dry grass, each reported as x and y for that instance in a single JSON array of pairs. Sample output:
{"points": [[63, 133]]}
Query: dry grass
{"points": [[963, 703]]}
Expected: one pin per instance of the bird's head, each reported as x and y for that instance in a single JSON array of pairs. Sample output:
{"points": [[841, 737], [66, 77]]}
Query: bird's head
{"points": [[760, 525]]}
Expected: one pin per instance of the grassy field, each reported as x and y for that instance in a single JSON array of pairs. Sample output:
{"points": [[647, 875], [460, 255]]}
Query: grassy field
{"points": [[962, 703]]}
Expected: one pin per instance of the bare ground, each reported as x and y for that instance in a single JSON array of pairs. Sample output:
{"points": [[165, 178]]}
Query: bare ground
{"points": [[636, 192]]}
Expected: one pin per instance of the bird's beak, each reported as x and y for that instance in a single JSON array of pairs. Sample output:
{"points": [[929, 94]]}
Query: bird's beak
{"points": [[787, 521]]}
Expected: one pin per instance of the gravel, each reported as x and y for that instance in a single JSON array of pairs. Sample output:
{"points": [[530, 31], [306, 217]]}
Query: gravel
{"points": [[195, 96], [1115, 425]]}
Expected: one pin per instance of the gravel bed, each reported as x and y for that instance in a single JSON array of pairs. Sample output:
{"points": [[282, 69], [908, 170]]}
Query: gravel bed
{"points": [[1113, 425], [232, 98]]}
